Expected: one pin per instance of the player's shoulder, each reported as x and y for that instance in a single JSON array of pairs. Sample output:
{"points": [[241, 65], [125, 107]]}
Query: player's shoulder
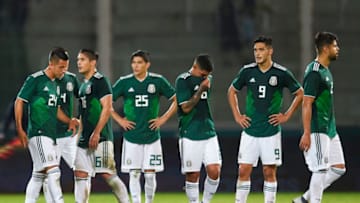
{"points": [[98, 76], [37, 74], [155, 75], [314, 67], [184, 76], [249, 66], [125, 77], [70, 74], [279, 67]]}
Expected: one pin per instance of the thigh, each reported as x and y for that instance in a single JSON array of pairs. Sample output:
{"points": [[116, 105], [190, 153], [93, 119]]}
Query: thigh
{"points": [[67, 149], [336, 151], [212, 153], [43, 152], [270, 150], [317, 157], [249, 150], [153, 157], [191, 154], [104, 161], [132, 156], [84, 161]]}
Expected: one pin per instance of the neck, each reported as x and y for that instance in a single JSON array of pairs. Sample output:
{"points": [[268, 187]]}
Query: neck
{"points": [[265, 66], [323, 60], [89, 74], [141, 76], [49, 74]]}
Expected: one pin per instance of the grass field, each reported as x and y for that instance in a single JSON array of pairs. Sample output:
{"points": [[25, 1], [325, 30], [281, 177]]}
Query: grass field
{"points": [[329, 197]]}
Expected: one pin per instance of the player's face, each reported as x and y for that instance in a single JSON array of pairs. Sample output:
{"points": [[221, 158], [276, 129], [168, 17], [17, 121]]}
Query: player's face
{"points": [[198, 72], [262, 53], [59, 68], [139, 66], [84, 63], [334, 50]]}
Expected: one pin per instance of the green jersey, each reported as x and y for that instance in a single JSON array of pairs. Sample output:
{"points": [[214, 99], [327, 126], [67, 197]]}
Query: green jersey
{"points": [[41, 94], [198, 124], [69, 88], [142, 103], [264, 95], [90, 93], [318, 83]]}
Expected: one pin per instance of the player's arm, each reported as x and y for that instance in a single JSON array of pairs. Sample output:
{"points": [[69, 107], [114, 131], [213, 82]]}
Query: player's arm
{"points": [[122, 121], [276, 119], [106, 103], [18, 110], [157, 122], [241, 119], [72, 122], [187, 106], [306, 119]]}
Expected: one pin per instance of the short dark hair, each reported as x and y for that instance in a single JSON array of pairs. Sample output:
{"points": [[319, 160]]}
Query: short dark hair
{"points": [[204, 62], [323, 39], [58, 53], [264, 39], [141, 53], [91, 54]]}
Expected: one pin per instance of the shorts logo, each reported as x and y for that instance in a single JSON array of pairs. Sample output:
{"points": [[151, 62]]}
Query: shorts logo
{"points": [[273, 81], [151, 88], [50, 158], [188, 164], [69, 86], [326, 160], [128, 161]]}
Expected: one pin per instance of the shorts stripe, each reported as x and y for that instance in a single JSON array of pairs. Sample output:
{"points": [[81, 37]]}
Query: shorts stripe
{"points": [[40, 149], [105, 156], [318, 148]]}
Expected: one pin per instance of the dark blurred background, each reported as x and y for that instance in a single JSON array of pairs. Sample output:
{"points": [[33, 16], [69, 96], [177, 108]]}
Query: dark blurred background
{"points": [[174, 32]]}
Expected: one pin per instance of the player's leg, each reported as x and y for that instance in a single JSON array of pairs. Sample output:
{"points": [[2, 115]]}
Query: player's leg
{"points": [[248, 156], [337, 165], [317, 160], [34, 186], [212, 161], [191, 154], [131, 159], [44, 155], [105, 165], [271, 157], [83, 170], [153, 162]]}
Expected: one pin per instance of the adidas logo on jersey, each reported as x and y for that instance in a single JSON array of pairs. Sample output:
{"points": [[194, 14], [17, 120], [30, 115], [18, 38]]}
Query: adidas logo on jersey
{"points": [[131, 89], [196, 87], [46, 89], [252, 80]]}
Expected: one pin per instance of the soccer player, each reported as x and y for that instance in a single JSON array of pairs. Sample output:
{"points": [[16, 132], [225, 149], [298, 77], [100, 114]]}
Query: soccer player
{"points": [[66, 141], [95, 152], [320, 141], [41, 93], [142, 151], [198, 141], [261, 137]]}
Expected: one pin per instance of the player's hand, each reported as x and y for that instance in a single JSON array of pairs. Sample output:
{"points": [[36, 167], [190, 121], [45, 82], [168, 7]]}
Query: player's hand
{"points": [[73, 125], [94, 141], [305, 142], [156, 123], [126, 124], [243, 121], [205, 85], [277, 119], [23, 138]]}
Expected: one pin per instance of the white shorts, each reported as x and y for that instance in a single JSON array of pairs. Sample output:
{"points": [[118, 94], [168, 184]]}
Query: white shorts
{"points": [[268, 149], [323, 152], [66, 148], [43, 152], [142, 156], [194, 153], [99, 161]]}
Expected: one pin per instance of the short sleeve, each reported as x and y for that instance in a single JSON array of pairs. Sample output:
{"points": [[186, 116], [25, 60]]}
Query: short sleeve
{"points": [[183, 93], [117, 89], [239, 82], [291, 82], [103, 87], [27, 90], [166, 89], [311, 84]]}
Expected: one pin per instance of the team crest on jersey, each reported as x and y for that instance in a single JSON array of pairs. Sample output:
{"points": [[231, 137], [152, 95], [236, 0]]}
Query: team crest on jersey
{"points": [[128, 161], [88, 89], [151, 88], [273, 81], [188, 163], [69, 86]]}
